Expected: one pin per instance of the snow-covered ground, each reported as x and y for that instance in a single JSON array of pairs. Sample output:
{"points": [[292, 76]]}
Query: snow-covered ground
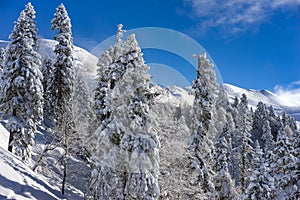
{"points": [[17, 181], [4, 135]]}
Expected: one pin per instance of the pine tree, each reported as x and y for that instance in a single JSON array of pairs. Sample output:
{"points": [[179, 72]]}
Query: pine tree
{"points": [[101, 91], [267, 138], [64, 72], [22, 92], [224, 186], [112, 65], [204, 87], [259, 117], [244, 147], [48, 70], [84, 116], [261, 183], [2, 59], [64, 83], [285, 167], [272, 118], [127, 148], [32, 29]]}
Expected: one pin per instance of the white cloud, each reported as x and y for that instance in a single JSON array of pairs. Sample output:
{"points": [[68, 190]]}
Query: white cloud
{"points": [[290, 93], [236, 16]]}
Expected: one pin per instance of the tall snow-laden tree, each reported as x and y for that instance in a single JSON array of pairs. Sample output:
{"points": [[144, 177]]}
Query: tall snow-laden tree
{"points": [[112, 66], [64, 83], [84, 115], [2, 59], [272, 118], [32, 29], [204, 87], [259, 118], [127, 149], [267, 137], [48, 71], [286, 171], [244, 147], [261, 183], [64, 67], [224, 186], [101, 91], [22, 92]]}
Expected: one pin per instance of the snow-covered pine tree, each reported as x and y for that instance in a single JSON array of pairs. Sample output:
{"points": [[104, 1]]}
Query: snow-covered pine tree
{"points": [[228, 132], [261, 183], [259, 117], [272, 118], [101, 91], [127, 148], [84, 115], [48, 71], [32, 29], [204, 87], [221, 109], [244, 148], [112, 66], [22, 92], [2, 59], [224, 186], [267, 138], [286, 171], [64, 67], [64, 83]]}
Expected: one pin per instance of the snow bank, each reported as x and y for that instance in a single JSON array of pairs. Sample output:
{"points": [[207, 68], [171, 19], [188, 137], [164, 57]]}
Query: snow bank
{"points": [[4, 136], [17, 181]]}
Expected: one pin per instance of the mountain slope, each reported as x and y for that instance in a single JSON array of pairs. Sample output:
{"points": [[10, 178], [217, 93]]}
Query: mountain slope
{"points": [[17, 181], [280, 104], [179, 95]]}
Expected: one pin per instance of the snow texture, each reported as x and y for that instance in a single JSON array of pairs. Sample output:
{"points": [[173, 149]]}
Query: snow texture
{"points": [[17, 181]]}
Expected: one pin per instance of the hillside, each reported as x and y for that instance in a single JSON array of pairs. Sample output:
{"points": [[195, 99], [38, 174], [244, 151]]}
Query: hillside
{"points": [[17, 181]]}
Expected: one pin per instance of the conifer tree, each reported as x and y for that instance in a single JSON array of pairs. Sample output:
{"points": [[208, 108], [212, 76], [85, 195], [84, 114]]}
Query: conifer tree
{"points": [[2, 59], [286, 171], [48, 71], [22, 92], [261, 183], [127, 148], [272, 118], [244, 147], [112, 66], [32, 29], [267, 138], [84, 115], [224, 186], [204, 88], [259, 117], [64, 72], [63, 83]]}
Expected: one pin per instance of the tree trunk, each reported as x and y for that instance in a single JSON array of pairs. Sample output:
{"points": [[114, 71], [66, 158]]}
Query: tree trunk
{"points": [[9, 141], [11, 134], [64, 175]]}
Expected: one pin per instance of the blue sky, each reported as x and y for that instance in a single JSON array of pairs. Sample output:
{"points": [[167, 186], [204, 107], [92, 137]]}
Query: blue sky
{"points": [[255, 44]]}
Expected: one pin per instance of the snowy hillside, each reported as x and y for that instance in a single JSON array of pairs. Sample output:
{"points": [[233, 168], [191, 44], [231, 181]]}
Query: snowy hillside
{"points": [[84, 60], [17, 181], [179, 95], [280, 103]]}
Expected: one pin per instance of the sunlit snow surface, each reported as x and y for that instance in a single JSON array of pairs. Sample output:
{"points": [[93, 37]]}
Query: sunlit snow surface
{"points": [[17, 181]]}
